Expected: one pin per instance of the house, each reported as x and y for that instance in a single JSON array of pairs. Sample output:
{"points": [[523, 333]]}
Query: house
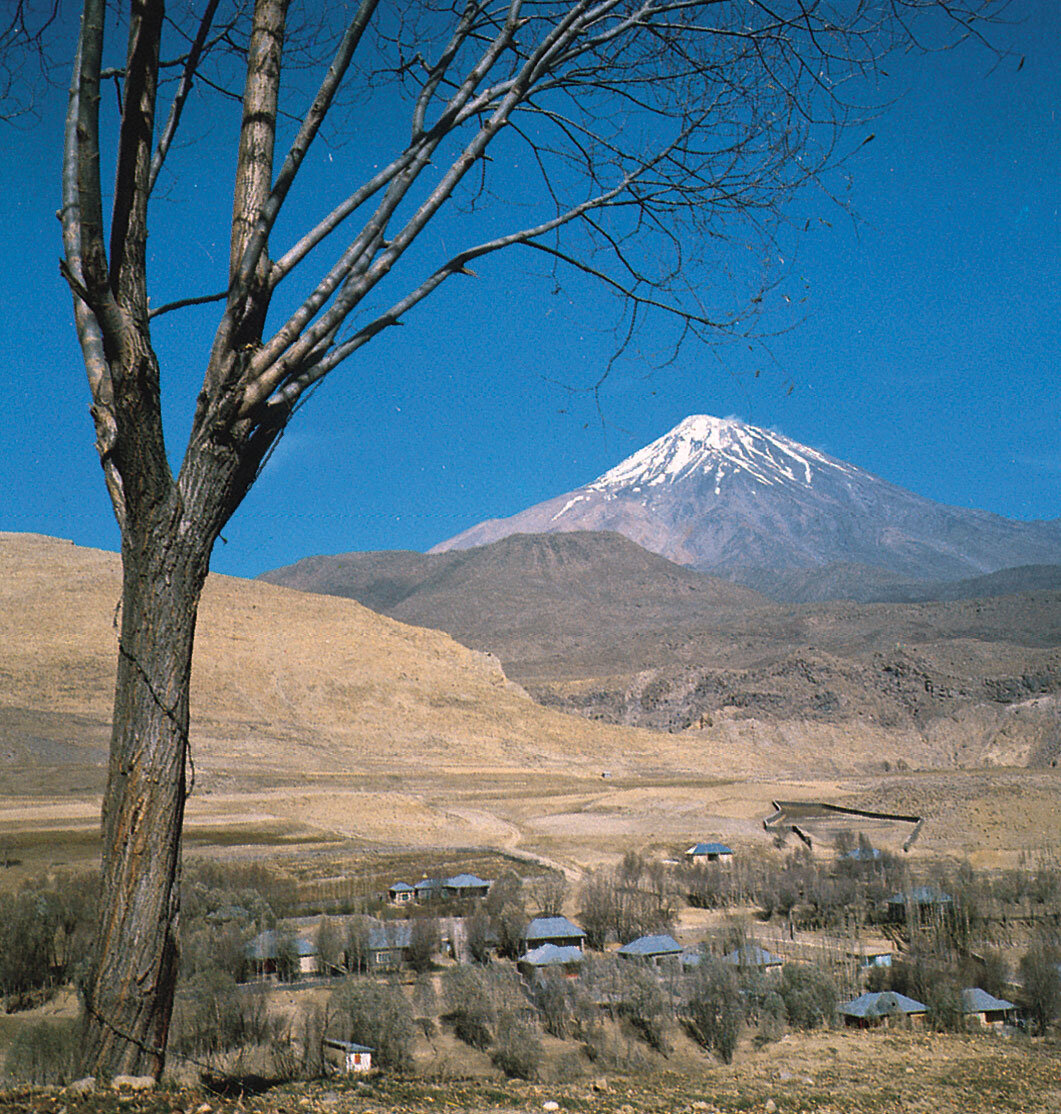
{"points": [[465, 885], [401, 893], [567, 960], [388, 944], [266, 953], [709, 853], [868, 956], [348, 1057], [653, 951], [863, 855], [985, 1010], [881, 1008], [928, 902], [428, 889], [553, 930], [751, 957]]}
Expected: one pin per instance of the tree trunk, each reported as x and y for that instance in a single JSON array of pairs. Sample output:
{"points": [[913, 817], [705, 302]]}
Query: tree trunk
{"points": [[129, 1001]]}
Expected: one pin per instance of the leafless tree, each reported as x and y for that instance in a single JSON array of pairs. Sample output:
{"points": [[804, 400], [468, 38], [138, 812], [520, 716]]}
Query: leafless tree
{"points": [[654, 127]]}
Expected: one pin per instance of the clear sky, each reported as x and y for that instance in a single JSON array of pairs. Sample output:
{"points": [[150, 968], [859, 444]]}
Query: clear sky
{"points": [[928, 350]]}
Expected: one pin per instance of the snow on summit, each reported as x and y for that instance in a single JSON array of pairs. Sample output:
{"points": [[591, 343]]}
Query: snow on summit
{"points": [[702, 445]]}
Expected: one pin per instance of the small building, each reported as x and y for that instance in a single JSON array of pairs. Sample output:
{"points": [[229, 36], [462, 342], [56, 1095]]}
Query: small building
{"points": [[428, 889], [863, 855], [869, 956], [553, 930], [549, 957], [928, 903], [653, 951], [709, 853], [752, 957], [465, 885], [266, 953], [401, 893], [985, 1010], [347, 1057], [881, 1008], [388, 944]]}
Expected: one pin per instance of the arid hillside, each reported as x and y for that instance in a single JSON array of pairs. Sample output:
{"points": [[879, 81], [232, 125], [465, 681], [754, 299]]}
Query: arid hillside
{"points": [[284, 685], [315, 720]]}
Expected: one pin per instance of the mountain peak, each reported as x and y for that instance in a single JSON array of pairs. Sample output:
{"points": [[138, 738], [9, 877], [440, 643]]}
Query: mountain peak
{"points": [[705, 446], [718, 494]]}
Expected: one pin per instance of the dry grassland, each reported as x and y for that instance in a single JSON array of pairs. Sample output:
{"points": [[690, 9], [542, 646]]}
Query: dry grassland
{"points": [[319, 725]]}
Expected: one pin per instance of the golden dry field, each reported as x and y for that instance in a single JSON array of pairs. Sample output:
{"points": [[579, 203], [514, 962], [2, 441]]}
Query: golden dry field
{"points": [[321, 726]]}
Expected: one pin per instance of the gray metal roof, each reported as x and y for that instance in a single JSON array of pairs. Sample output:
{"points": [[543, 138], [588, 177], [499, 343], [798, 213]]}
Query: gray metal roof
{"points": [[652, 945], [879, 1003], [544, 928], [465, 882], [390, 934], [402, 887], [266, 945], [975, 1000], [550, 955], [752, 956]]}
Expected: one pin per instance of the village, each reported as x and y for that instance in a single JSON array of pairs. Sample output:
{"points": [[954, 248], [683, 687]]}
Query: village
{"points": [[675, 945]]}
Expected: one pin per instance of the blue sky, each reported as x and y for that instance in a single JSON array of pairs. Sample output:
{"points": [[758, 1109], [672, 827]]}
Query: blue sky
{"points": [[927, 350]]}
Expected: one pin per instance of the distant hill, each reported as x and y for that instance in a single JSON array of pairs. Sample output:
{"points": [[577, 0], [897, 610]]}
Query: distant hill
{"points": [[285, 686], [591, 623], [866, 584], [574, 598], [717, 494]]}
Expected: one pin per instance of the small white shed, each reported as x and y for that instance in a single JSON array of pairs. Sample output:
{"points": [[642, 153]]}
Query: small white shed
{"points": [[347, 1056]]}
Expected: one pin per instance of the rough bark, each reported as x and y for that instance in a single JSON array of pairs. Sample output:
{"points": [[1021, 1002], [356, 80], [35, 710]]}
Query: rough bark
{"points": [[129, 1002]]}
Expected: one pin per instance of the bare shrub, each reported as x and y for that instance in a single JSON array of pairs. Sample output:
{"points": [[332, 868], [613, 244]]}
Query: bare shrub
{"points": [[378, 1015], [424, 943], [518, 1052], [809, 995], [470, 1005], [42, 1054], [713, 1009]]}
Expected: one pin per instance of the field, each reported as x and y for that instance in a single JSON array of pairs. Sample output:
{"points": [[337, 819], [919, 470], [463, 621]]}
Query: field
{"points": [[835, 1073]]}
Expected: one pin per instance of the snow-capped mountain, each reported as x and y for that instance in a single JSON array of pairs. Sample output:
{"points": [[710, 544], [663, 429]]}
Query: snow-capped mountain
{"points": [[717, 494]]}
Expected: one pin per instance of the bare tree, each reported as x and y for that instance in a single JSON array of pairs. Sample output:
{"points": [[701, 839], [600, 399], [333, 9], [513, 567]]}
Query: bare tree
{"points": [[655, 127]]}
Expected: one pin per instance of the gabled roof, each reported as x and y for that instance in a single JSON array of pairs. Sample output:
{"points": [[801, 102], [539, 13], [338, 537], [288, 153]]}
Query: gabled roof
{"points": [[428, 884], [550, 955], [975, 1000], [751, 955], [879, 1003], [543, 928], [709, 849], [266, 945], [390, 934], [400, 887], [922, 895], [652, 945], [465, 882]]}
